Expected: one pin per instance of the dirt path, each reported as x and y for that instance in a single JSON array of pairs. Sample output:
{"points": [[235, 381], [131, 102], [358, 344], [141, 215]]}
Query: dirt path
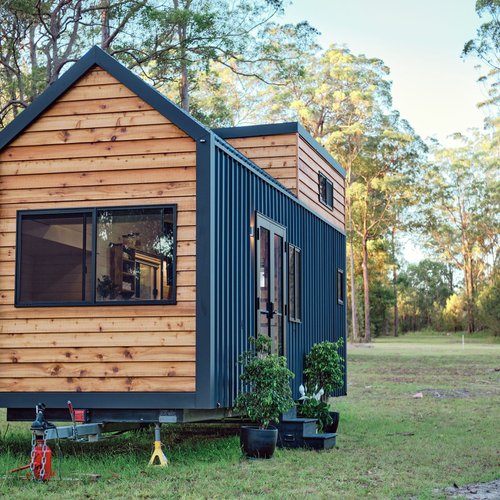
{"points": [[478, 491]]}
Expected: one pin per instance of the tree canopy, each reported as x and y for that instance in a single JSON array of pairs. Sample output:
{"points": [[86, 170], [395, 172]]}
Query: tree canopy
{"points": [[233, 63]]}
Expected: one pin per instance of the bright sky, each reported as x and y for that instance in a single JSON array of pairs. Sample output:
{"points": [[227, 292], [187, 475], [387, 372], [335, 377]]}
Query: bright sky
{"points": [[421, 42]]}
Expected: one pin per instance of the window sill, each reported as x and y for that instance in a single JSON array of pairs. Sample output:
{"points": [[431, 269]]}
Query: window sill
{"points": [[126, 303]]}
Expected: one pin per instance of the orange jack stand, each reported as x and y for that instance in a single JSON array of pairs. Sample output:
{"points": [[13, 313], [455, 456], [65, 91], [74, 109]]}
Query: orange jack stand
{"points": [[158, 452]]}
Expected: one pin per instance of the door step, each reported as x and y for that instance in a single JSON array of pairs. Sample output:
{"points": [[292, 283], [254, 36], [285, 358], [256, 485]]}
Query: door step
{"points": [[320, 441], [294, 432]]}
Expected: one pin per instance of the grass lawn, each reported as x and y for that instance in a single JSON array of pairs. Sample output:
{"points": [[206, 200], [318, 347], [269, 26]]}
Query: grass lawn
{"points": [[390, 445]]}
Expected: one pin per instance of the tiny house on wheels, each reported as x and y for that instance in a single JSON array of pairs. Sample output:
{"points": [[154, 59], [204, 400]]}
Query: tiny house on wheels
{"points": [[140, 250]]}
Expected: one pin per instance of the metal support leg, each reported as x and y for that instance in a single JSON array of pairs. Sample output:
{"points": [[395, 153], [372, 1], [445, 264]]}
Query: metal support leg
{"points": [[158, 452]]}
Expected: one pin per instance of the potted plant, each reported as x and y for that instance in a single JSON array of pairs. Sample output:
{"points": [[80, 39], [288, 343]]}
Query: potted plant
{"points": [[107, 287], [269, 396], [323, 373]]}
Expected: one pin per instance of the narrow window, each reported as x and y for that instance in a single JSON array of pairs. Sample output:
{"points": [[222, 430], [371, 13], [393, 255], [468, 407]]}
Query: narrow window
{"points": [[120, 255], [325, 190], [340, 286], [294, 283]]}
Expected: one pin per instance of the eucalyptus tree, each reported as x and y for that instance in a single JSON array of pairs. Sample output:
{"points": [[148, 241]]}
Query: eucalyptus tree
{"points": [[486, 47], [338, 100], [427, 285], [460, 212], [38, 39], [164, 40], [382, 185], [486, 44]]}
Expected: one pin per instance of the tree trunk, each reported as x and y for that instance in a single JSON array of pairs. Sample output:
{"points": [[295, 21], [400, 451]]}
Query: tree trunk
{"points": [[366, 291], [354, 313], [184, 83], [469, 295], [105, 32], [395, 282], [184, 88], [33, 62]]}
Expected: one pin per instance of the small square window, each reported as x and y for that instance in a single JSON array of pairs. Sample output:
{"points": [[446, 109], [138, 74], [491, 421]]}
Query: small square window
{"points": [[325, 190]]}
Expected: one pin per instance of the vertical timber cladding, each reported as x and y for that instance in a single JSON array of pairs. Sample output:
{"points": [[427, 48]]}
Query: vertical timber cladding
{"points": [[239, 192], [99, 145]]}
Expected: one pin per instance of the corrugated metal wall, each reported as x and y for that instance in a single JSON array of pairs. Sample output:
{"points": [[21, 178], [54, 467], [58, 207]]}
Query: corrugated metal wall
{"points": [[240, 191]]}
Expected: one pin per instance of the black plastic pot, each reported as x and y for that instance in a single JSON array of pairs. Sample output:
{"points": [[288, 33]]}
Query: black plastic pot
{"points": [[333, 426], [258, 443]]}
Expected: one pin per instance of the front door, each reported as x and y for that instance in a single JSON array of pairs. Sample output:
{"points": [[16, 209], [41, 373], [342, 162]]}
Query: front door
{"points": [[271, 286]]}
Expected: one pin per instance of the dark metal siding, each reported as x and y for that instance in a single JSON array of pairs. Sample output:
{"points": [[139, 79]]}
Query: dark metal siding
{"points": [[240, 191]]}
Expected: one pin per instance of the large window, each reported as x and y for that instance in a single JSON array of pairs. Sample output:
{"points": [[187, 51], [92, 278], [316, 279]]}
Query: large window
{"points": [[325, 190], [85, 257], [294, 283]]}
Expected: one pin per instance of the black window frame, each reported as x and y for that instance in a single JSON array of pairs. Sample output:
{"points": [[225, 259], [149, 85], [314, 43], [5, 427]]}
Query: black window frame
{"points": [[93, 302], [340, 286], [297, 283], [327, 200]]}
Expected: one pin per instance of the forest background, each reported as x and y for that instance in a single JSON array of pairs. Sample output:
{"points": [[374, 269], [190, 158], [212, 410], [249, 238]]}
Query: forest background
{"points": [[234, 63]]}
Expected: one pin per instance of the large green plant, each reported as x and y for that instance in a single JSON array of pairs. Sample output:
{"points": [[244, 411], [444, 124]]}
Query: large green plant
{"points": [[268, 380], [314, 408], [324, 368]]}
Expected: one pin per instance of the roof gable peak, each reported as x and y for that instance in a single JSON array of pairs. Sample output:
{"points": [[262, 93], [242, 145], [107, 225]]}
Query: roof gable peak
{"points": [[98, 57]]}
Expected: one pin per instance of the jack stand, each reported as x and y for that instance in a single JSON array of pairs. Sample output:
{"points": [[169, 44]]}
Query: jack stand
{"points": [[40, 465], [158, 452]]}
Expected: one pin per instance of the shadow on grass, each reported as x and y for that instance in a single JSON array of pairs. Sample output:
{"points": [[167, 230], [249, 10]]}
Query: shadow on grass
{"points": [[188, 439]]}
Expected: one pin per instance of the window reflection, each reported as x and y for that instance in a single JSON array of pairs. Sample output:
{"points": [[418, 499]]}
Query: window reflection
{"points": [[135, 254]]}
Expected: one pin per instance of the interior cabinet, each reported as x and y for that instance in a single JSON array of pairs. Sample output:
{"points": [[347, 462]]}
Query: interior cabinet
{"points": [[123, 268], [135, 273]]}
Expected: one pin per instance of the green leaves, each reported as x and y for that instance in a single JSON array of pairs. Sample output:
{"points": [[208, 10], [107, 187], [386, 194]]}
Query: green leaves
{"points": [[324, 368], [312, 408], [268, 380]]}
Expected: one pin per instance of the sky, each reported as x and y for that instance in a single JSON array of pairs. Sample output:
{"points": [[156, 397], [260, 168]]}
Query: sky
{"points": [[421, 42]]}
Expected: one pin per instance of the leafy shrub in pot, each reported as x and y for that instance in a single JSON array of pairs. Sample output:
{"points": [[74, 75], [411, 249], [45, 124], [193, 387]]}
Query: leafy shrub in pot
{"points": [[323, 373], [269, 395]]}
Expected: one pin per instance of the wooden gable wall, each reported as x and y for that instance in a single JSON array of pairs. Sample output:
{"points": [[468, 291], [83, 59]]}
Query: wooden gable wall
{"points": [[99, 145], [276, 154], [310, 163], [295, 164]]}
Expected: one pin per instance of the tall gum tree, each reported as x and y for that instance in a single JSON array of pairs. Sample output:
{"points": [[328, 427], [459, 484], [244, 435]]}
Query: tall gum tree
{"points": [[381, 186], [337, 100], [460, 211]]}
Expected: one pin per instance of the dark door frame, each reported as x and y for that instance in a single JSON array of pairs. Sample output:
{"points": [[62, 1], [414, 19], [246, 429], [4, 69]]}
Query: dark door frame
{"points": [[263, 222]]}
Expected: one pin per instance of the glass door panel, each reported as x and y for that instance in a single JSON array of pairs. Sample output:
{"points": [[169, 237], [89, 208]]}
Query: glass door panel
{"points": [[264, 279], [277, 324], [271, 290]]}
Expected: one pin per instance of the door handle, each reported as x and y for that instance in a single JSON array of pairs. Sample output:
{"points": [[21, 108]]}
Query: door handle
{"points": [[270, 310]]}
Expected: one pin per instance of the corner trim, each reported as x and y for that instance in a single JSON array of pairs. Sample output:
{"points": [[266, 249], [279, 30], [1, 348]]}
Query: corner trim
{"points": [[205, 264]]}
